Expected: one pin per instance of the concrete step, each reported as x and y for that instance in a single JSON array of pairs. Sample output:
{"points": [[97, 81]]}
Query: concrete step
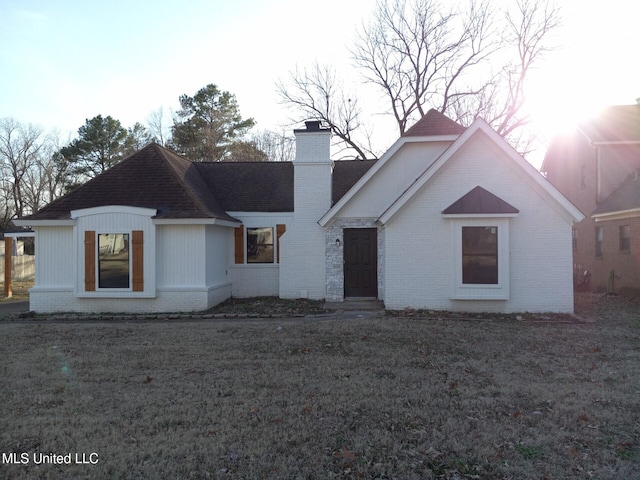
{"points": [[356, 304]]}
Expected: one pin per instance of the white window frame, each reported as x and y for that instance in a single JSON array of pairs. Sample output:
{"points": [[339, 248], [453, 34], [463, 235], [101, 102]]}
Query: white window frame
{"points": [[499, 291]]}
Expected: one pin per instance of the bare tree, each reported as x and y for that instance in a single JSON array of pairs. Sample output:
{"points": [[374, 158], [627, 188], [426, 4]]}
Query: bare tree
{"points": [[422, 56], [45, 180], [277, 146], [527, 37], [159, 129], [466, 63], [20, 146], [317, 94]]}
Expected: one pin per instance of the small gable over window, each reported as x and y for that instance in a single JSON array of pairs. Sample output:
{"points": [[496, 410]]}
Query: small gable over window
{"points": [[479, 201]]}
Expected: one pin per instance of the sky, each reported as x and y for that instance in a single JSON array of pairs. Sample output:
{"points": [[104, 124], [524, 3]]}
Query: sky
{"points": [[64, 61]]}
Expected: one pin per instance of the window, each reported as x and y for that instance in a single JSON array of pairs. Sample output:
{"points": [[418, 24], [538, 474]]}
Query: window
{"points": [[574, 238], [480, 255], [113, 260], [480, 258], [260, 245], [599, 241], [257, 244], [625, 238]]}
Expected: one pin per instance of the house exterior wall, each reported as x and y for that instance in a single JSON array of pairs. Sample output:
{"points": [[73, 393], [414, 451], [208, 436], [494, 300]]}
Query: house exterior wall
{"points": [[54, 281], [185, 266], [302, 248], [573, 171], [615, 164], [419, 260], [586, 175], [625, 264], [335, 256], [393, 178], [257, 280]]}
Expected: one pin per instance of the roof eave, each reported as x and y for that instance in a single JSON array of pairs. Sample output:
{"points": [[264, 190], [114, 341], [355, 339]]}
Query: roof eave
{"points": [[616, 215], [45, 222], [480, 125], [197, 221]]}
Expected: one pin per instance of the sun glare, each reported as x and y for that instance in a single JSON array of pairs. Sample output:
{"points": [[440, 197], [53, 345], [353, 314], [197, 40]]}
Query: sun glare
{"points": [[556, 117]]}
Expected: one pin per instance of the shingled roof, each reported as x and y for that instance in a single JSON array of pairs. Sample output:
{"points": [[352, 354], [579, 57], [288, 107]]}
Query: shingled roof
{"points": [[434, 123], [479, 201], [624, 198], [618, 123], [154, 177], [345, 175], [158, 178]]}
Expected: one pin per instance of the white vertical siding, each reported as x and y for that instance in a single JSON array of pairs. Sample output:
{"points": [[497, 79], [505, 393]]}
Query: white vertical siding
{"points": [[54, 257], [181, 256]]}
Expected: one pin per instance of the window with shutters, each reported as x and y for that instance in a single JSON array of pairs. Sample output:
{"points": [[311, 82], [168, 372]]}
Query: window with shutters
{"points": [[114, 261], [258, 244]]}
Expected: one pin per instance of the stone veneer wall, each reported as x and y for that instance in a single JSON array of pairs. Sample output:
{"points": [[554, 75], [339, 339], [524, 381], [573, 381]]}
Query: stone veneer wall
{"points": [[335, 257]]}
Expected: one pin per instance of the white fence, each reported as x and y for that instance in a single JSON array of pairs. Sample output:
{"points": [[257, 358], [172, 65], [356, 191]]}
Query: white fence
{"points": [[23, 268]]}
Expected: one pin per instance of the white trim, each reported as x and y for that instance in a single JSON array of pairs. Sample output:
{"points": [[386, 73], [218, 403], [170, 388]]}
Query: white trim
{"points": [[479, 215], [20, 234], [260, 214], [333, 211], [480, 125], [499, 291], [195, 221], [618, 215], [44, 223], [85, 212]]}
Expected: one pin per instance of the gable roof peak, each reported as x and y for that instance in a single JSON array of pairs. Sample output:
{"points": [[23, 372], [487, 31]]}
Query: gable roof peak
{"points": [[479, 201], [434, 123]]}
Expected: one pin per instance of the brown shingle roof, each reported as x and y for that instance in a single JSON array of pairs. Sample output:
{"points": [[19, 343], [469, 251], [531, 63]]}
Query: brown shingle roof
{"points": [[434, 123], [618, 123], [154, 177], [158, 178], [345, 175], [250, 186], [479, 200]]}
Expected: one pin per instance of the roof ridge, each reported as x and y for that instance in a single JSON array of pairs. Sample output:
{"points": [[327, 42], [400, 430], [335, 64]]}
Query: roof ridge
{"points": [[434, 122], [190, 188]]}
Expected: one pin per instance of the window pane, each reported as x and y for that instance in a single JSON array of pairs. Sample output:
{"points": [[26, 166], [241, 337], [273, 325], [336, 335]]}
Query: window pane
{"points": [[625, 238], [113, 260], [260, 245], [599, 241], [480, 255]]}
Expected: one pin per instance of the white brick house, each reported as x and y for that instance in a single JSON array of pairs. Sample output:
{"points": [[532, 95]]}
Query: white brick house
{"points": [[448, 218]]}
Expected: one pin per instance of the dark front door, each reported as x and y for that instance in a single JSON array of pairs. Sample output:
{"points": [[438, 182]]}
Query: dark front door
{"points": [[360, 262]]}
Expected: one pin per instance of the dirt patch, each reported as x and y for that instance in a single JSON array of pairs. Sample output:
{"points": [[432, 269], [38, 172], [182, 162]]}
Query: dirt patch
{"points": [[20, 291], [389, 397], [270, 306]]}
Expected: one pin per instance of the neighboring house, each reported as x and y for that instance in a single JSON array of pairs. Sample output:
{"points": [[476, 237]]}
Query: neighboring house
{"points": [[596, 167], [448, 218]]}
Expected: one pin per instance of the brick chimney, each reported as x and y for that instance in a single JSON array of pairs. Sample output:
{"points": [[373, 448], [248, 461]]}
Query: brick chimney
{"points": [[302, 268]]}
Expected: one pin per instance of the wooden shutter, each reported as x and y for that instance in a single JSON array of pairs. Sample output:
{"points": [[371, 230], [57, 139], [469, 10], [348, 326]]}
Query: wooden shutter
{"points": [[137, 261], [239, 244], [89, 261], [280, 229]]}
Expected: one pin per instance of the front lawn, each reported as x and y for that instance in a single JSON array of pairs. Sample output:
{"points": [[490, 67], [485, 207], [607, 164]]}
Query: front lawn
{"points": [[384, 397]]}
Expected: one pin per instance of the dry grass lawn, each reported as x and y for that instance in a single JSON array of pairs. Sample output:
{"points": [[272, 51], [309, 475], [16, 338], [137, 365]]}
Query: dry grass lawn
{"points": [[393, 397]]}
